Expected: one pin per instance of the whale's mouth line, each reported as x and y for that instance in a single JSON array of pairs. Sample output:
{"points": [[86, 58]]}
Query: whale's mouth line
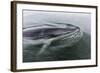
{"points": [[51, 33], [65, 34]]}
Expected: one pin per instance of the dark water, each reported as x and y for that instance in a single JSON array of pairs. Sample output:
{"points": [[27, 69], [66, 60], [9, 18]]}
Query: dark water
{"points": [[80, 50]]}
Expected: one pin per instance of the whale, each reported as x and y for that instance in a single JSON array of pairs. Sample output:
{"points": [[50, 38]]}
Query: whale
{"points": [[54, 35]]}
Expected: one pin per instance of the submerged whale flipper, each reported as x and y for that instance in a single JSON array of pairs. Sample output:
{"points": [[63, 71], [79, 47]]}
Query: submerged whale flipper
{"points": [[46, 44]]}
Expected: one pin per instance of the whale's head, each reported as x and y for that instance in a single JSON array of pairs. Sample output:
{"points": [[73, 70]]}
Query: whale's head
{"points": [[49, 31], [54, 36]]}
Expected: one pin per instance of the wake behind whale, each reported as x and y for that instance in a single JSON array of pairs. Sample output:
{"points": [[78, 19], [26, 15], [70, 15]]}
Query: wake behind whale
{"points": [[56, 35]]}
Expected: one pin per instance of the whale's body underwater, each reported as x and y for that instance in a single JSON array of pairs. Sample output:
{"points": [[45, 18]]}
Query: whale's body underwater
{"points": [[53, 36]]}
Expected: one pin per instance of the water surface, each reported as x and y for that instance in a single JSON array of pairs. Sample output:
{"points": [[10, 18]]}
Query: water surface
{"points": [[80, 50]]}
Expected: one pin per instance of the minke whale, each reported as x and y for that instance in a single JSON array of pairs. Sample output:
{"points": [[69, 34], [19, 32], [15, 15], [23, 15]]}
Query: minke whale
{"points": [[54, 35]]}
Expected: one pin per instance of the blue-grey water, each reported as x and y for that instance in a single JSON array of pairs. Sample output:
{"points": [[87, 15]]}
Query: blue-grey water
{"points": [[80, 50]]}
